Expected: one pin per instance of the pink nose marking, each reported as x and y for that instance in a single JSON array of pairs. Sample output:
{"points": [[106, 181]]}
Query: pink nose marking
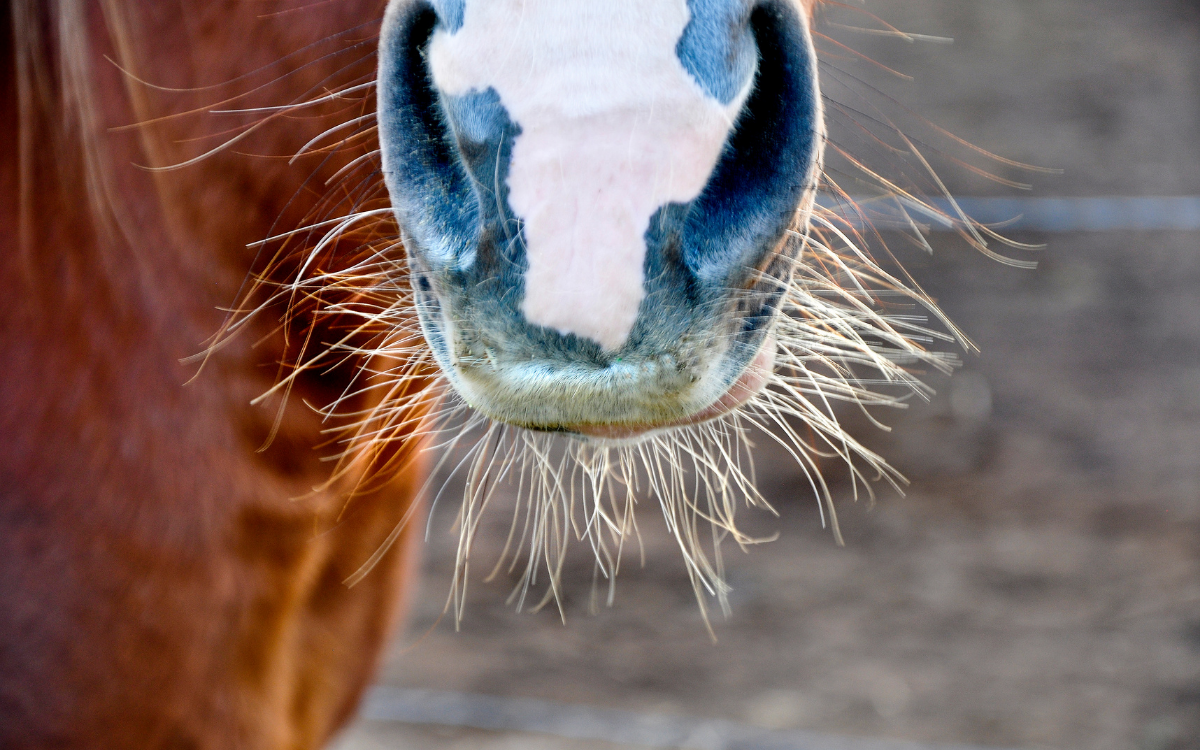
{"points": [[613, 128]]}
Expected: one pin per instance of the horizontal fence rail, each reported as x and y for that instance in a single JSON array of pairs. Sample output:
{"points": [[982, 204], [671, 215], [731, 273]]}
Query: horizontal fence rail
{"points": [[1034, 214], [576, 722]]}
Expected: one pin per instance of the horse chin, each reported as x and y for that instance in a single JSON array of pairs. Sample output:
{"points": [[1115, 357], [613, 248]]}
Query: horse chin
{"points": [[749, 384]]}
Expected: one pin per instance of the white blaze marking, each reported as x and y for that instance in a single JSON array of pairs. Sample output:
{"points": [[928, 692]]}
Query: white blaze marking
{"points": [[613, 128]]}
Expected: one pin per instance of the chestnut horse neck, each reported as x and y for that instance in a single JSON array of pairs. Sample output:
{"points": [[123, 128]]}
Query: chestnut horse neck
{"points": [[102, 100], [161, 586], [110, 86]]}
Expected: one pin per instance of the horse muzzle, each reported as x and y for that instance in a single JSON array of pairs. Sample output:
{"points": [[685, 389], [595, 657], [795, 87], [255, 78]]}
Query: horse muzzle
{"points": [[595, 199]]}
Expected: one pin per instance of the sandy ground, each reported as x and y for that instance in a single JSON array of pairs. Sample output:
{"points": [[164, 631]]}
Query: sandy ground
{"points": [[1039, 585]]}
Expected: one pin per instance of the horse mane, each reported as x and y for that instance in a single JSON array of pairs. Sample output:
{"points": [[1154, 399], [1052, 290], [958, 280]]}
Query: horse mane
{"points": [[82, 223], [59, 132]]}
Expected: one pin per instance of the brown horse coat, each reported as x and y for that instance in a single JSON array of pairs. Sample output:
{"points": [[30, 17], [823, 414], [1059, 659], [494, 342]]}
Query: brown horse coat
{"points": [[159, 586]]}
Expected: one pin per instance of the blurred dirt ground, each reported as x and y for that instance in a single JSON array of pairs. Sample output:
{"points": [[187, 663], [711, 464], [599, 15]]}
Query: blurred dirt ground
{"points": [[1039, 585]]}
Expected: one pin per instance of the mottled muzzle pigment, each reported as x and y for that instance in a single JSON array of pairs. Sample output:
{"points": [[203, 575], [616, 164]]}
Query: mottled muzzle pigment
{"points": [[595, 198]]}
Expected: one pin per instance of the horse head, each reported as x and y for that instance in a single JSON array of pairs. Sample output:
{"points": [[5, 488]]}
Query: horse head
{"points": [[600, 201]]}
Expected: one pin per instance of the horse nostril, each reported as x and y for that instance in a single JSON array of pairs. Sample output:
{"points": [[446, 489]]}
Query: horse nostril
{"points": [[770, 163], [431, 191]]}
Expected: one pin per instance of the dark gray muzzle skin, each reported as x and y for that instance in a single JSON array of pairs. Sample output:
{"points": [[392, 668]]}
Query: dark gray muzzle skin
{"points": [[715, 268]]}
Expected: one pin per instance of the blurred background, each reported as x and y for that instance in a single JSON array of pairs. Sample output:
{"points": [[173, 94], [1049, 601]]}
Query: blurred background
{"points": [[1039, 584]]}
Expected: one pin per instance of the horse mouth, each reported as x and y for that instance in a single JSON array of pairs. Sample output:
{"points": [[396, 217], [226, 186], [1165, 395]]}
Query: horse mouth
{"points": [[748, 385]]}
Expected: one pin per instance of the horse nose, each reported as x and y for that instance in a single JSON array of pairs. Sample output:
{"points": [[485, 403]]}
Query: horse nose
{"points": [[431, 192], [587, 190], [594, 204], [768, 172]]}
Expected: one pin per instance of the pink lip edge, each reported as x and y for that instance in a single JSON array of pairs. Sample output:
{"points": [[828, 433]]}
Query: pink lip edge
{"points": [[752, 380]]}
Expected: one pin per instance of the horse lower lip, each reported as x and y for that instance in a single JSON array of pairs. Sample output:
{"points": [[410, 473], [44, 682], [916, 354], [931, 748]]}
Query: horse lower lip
{"points": [[751, 381]]}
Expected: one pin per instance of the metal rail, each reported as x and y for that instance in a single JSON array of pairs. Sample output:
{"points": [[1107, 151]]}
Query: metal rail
{"points": [[576, 722], [1035, 214]]}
